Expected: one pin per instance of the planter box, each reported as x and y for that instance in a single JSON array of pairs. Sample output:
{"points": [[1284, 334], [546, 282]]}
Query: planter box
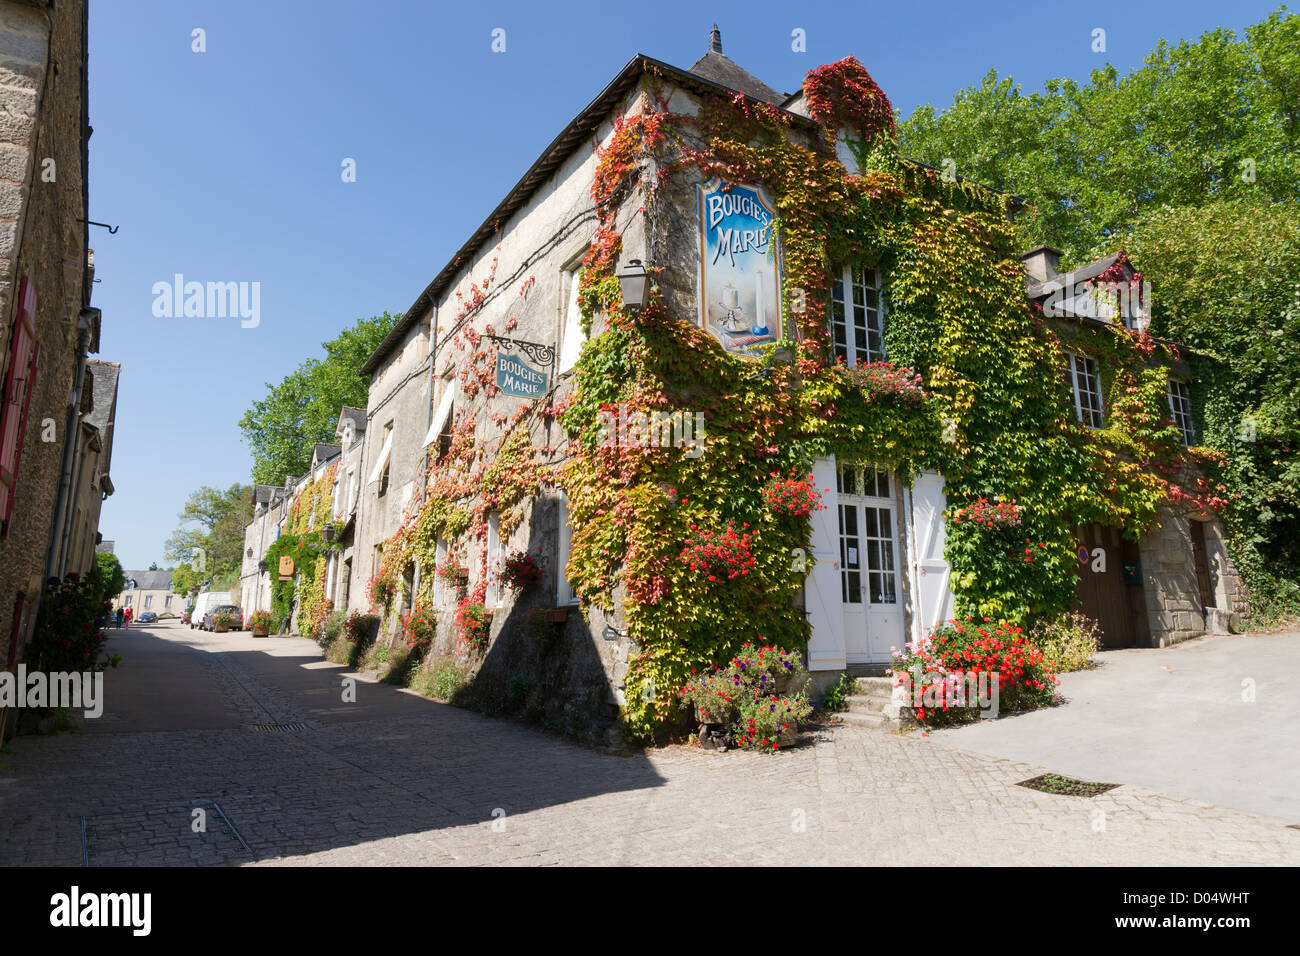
{"points": [[261, 632], [220, 628], [559, 615]]}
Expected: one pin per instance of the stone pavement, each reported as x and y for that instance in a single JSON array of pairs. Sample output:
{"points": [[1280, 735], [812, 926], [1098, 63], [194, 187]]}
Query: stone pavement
{"points": [[396, 779]]}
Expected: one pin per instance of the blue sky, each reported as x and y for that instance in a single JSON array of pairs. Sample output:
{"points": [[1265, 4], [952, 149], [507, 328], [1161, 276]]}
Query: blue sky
{"points": [[224, 166]]}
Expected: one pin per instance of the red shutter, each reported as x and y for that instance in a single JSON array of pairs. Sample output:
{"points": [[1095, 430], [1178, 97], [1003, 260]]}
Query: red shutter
{"points": [[16, 398]]}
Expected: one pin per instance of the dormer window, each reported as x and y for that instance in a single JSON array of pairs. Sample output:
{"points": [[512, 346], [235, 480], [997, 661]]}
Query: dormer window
{"points": [[857, 315]]}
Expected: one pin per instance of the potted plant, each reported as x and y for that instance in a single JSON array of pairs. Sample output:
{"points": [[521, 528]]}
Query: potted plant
{"points": [[221, 623], [261, 622], [519, 570], [452, 572]]}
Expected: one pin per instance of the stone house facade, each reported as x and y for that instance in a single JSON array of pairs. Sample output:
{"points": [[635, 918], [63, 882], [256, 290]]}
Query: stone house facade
{"points": [[47, 326], [877, 577], [152, 591]]}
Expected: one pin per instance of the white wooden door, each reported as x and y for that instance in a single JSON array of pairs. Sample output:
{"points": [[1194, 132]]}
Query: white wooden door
{"points": [[869, 579]]}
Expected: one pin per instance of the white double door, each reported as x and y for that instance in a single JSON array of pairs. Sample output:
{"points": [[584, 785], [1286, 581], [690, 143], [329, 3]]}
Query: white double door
{"points": [[870, 591]]}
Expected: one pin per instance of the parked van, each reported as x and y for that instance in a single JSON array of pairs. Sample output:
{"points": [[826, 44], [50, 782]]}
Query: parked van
{"points": [[205, 603]]}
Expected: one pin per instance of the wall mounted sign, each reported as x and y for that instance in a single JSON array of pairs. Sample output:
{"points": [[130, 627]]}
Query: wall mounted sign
{"points": [[517, 377], [740, 287], [286, 567]]}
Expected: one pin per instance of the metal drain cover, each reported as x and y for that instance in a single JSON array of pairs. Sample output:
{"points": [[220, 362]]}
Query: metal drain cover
{"points": [[1066, 786], [290, 728]]}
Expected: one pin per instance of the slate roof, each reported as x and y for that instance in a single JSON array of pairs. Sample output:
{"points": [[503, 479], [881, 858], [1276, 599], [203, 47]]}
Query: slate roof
{"points": [[720, 69], [324, 452], [151, 580], [263, 494], [357, 416], [103, 411], [105, 547], [577, 133]]}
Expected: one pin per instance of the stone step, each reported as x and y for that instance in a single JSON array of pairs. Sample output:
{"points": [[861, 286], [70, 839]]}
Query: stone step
{"points": [[876, 686], [875, 721], [866, 705]]}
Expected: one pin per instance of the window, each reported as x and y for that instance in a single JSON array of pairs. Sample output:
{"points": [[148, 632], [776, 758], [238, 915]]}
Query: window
{"points": [[440, 596], [1180, 406], [15, 398], [493, 598], [564, 593], [127, 602], [1085, 383], [148, 600], [167, 602], [571, 338], [441, 423], [857, 315], [380, 473]]}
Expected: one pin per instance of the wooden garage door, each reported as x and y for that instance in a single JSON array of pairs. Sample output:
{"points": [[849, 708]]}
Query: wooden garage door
{"points": [[1101, 555]]}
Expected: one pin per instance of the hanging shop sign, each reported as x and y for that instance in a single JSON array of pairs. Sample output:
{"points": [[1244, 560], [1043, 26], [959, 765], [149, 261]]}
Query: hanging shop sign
{"points": [[286, 567], [517, 377], [740, 287]]}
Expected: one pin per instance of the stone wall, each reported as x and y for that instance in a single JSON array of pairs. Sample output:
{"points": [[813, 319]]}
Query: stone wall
{"points": [[42, 71], [1174, 611]]}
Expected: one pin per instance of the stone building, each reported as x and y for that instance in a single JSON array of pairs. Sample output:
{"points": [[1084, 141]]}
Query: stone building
{"points": [[150, 591], [92, 477], [47, 326], [878, 576]]}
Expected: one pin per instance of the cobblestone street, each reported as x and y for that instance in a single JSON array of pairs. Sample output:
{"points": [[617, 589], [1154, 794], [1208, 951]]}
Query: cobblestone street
{"points": [[397, 779]]}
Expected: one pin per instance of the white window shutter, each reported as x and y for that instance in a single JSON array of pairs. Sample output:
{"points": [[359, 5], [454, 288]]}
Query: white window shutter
{"points": [[822, 596], [571, 343], [930, 572], [440, 416], [383, 458]]}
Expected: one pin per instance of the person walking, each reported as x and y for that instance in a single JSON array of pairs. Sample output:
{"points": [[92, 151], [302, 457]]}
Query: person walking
{"points": [[126, 615], [118, 616]]}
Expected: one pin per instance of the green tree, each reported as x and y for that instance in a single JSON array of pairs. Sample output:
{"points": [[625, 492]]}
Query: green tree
{"points": [[185, 580], [1190, 163], [109, 578], [1227, 283], [1211, 119], [214, 541], [303, 409]]}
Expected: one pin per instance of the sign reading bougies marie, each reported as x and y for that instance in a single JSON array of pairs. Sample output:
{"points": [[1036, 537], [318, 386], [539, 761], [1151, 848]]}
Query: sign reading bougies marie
{"points": [[516, 377], [740, 288]]}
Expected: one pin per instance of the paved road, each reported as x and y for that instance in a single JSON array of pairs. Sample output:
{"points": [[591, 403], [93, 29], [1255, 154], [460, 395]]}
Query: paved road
{"points": [[1216, 719], [396, 779]]}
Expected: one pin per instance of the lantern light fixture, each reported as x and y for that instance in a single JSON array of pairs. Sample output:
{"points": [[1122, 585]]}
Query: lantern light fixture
{"points": [[634, 282]]}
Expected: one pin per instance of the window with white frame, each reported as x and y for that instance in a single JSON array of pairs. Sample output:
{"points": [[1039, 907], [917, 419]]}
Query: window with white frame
{"points": [[564, 593], [439, 587], [857, 315], [1085, 384], [493, 598], [571, 337], [1180, 406], [148, 600]]}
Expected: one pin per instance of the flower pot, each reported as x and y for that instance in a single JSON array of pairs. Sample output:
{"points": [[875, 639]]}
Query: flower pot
{"points": [[789, 737], [261, 631], [559, 615], [221, 628]]}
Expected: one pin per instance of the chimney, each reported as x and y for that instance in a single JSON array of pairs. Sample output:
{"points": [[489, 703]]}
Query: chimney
{"points": [[715, 40], [1042, 263]]}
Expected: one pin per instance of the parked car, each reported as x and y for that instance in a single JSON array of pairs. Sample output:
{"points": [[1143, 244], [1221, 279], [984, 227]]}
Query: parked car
{"points": [[224, 609], [205, 603], [148, 617]]}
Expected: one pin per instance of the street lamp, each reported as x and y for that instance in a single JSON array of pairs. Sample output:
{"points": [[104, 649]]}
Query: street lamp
{"points": [[634, 282]]}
